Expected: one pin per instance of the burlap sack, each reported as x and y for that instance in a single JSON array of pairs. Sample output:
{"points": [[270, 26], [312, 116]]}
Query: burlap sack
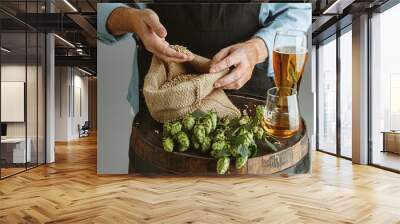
{"points": [[172, 90]]}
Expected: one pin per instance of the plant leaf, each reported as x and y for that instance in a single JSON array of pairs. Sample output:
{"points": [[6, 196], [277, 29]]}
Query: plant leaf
{"points": [[198, 114], [253, 150], [221, 153]]}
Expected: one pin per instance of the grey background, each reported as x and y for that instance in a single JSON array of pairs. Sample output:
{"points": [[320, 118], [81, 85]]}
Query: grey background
{"points": [[114, 71]]}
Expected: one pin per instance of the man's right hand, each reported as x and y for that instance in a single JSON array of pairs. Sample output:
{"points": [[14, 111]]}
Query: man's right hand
{"points": [[146, 24]]}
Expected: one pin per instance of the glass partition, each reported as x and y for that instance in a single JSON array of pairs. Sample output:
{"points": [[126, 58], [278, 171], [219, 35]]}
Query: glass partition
{"points": [[22, 79], [14, 153]]}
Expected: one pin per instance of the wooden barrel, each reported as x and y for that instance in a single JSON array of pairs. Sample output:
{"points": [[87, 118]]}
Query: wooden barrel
{"points": [[147, 142]]}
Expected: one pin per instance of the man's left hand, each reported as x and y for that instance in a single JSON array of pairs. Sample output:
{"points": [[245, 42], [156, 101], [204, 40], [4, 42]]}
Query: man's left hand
{"points": [[243, 57]]}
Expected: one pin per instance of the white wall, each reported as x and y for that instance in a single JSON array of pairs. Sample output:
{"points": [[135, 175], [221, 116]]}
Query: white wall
{"points": [[12, 73], [62, 81], [68, 81], [33, 126]]}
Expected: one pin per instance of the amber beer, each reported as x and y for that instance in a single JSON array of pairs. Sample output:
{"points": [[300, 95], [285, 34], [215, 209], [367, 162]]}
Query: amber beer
{"points": [[282, 115], [283, 126], [289, 65]]}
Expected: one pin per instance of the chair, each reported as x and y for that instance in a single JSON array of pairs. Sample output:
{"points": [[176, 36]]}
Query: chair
{"points": [[84, 130]]}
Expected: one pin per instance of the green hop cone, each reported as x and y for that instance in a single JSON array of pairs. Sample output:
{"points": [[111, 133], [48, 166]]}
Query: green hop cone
{"points": [[244, 120], [195, 143], [218, 145], [206, 144], [234, 151], [166, 129], [240, 162], [258, 132], [183, 140], [260, 111], [223, 165], [188, 122], [249, 139], [199, 132], [214, 119], [208, 125], [176, 127], [225, 121], [219, 136], [168, 144]]}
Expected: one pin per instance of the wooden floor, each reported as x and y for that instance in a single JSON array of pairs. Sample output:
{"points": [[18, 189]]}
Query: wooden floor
{"points": [[386, 159], [5, 172], [70, 191]]}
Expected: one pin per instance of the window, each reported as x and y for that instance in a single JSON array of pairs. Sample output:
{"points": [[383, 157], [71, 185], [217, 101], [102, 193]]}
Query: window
{"points": [[346, 94], [327, 97], [385, 89], [333, 106]]}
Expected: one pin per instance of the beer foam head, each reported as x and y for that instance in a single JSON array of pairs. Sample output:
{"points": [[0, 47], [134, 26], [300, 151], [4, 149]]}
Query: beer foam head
{"points": [[291, 50]]}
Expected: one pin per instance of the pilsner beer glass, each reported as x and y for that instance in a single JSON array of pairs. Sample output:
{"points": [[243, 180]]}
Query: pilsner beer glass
{"points": [[289, 57], [282, 116]]}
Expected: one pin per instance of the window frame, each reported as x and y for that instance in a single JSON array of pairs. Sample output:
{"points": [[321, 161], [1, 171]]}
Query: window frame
{"points": [[334, 37]]}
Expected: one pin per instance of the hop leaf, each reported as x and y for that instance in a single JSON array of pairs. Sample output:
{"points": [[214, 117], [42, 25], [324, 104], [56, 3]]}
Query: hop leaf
{"points": [[243, 131], [253, 150], [240, 150], [168, 144], [223, 165], [221, 153]]}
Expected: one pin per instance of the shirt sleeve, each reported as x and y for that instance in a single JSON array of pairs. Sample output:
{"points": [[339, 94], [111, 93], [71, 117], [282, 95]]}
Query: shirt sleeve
{"points": [[103, 12], [281, 16]]}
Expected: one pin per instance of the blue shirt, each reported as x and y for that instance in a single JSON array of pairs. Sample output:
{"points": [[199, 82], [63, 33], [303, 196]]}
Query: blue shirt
{"points": [[272, 17]]}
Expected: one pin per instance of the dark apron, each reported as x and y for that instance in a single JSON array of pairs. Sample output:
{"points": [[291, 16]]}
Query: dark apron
{"points": [[207, 28], [204, 29]]}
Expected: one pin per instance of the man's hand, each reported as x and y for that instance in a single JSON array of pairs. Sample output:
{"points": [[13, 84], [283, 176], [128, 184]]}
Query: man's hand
{"points": [[146, 24], [243, 56]]}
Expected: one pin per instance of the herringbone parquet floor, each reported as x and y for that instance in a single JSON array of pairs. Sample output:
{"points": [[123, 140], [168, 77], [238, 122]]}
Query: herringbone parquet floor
{"points": [[70, 191]]}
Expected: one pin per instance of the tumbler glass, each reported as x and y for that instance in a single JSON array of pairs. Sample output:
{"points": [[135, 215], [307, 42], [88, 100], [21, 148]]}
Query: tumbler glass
{"points": [[282, 116]]}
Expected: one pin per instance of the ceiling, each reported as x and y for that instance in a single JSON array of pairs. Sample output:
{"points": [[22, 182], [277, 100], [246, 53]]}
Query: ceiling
{"points": [[79, 27]]}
